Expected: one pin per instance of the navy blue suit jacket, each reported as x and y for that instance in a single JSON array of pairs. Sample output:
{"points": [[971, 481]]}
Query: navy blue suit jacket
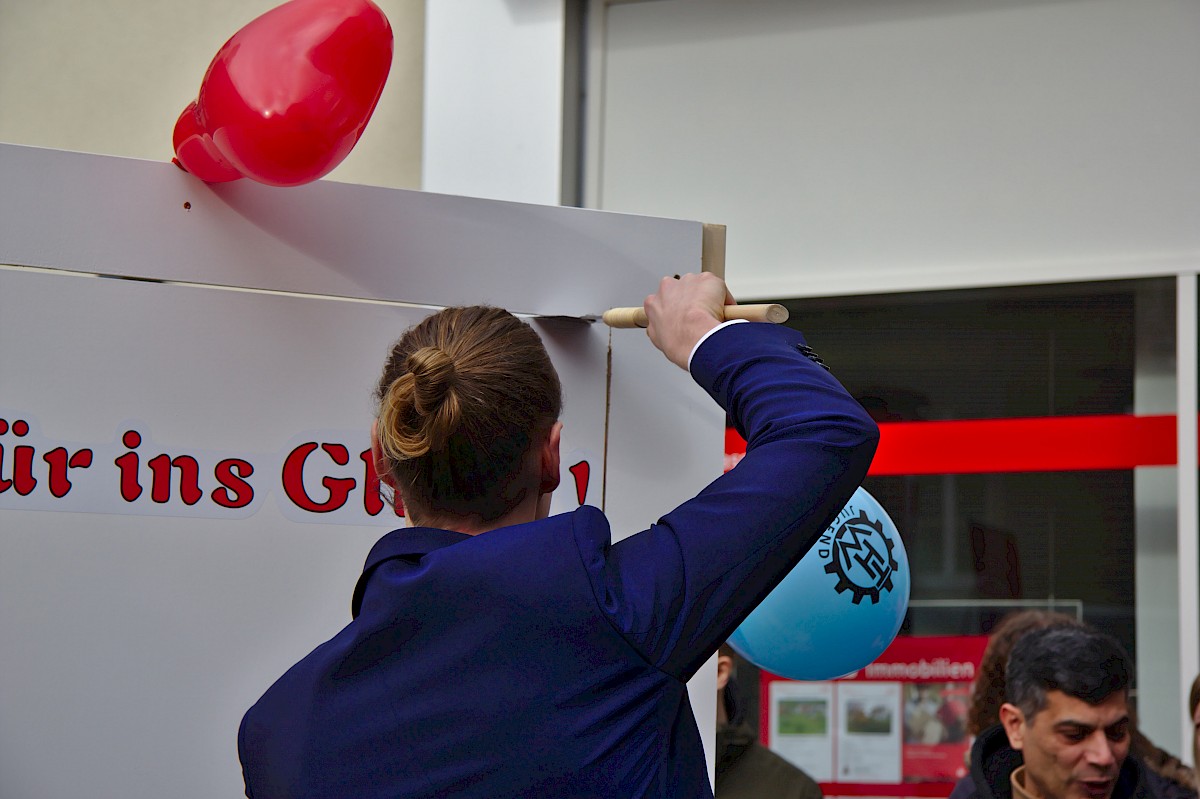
{"points": [[542, 660]]}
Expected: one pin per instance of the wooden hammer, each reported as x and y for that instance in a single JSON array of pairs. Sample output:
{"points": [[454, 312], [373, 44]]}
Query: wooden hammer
{"points": [[636, 317]]}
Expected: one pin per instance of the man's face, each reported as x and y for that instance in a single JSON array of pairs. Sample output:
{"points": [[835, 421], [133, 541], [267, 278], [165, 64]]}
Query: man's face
{"points": [[1072, 750]]}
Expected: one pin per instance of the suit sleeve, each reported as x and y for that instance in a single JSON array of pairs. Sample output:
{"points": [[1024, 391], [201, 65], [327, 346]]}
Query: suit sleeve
{"points": [[679, 589]]}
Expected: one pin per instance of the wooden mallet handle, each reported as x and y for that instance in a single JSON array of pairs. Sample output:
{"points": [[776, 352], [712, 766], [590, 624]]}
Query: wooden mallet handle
{"points": [[636, 317]]}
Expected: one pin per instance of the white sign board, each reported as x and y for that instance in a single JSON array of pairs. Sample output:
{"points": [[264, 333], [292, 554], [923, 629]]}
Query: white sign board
{"points": [[184, 505]]}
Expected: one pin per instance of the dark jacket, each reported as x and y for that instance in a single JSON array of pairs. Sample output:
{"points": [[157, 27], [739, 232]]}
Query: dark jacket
{"points": [[543, 660], [1163, 787], [993, 761], [748, 770]]}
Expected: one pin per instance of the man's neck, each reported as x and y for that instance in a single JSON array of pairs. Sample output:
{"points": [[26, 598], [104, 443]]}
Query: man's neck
{"points": [[1022, 786], [527, 510]]}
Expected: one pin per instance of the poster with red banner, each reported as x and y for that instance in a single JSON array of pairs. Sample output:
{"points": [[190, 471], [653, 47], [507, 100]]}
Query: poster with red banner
{"points": [[897, 727]]}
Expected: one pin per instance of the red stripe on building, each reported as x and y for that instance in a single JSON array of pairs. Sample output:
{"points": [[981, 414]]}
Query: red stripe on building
{"points": [[1043, 444]]}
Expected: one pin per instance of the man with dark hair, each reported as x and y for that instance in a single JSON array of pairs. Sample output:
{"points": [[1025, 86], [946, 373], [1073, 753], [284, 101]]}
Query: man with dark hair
{"points": [[1065, 728]]}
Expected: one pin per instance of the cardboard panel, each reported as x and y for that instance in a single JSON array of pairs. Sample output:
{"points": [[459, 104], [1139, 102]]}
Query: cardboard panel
{"points": [[121, 216]]}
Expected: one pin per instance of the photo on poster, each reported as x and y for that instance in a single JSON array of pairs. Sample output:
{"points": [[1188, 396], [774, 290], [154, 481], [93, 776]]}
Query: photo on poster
{"points": [[934, 713], [869, 749], [803, 717], [801, 726], [868, 719], [936, 744]]}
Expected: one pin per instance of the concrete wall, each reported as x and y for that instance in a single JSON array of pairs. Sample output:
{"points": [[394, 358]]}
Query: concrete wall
{"points": [[112, 78]]}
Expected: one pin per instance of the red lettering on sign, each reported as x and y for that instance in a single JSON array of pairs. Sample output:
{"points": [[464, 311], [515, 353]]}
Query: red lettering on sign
{"points": [[131, 489], [293, 478], [4, 484], [22, 481], [582, 472], [373, 497], [60, 464], [234, 492], [189, 478]]}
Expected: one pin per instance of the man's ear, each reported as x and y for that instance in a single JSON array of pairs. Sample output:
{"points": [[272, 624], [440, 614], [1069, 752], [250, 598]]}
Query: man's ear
{"points": [[1013, 720], [378, 458], [550, 461], [724, 671]]}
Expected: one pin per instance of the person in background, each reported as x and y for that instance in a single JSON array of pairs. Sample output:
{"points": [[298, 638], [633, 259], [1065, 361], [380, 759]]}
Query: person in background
{"points": [[1065, 727], [1194, 710], [987, 693], [745, 768], [1165, 776]]}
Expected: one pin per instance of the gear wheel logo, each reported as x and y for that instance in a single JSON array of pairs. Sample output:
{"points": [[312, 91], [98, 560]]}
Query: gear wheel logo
{"points": [[861, 557]]}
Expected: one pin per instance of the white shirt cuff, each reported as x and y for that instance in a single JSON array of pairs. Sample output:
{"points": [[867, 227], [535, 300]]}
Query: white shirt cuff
{"points": [[704, 338]]}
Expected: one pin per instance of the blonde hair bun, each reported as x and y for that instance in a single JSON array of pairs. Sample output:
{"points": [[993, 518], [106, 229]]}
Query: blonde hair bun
{"points": [[421, 409], [464, 395]]}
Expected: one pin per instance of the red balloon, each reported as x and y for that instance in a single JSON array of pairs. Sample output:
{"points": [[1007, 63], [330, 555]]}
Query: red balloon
{"points": [[285, 100]]}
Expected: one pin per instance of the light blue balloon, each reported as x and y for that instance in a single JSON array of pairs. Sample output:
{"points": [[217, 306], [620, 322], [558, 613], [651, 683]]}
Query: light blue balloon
{"points": [[840, 607]]}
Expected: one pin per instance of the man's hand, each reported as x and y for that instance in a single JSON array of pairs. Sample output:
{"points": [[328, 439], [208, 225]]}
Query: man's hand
{"points": [[683, 310]]}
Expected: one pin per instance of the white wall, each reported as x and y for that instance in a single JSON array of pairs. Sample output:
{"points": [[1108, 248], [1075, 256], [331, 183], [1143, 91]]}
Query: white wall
{"points": [[112, 77], [494, 99], [882, 145]]}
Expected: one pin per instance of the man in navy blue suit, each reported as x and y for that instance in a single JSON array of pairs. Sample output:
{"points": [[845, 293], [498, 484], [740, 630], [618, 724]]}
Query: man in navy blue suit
{"points": [[498, 652]]}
